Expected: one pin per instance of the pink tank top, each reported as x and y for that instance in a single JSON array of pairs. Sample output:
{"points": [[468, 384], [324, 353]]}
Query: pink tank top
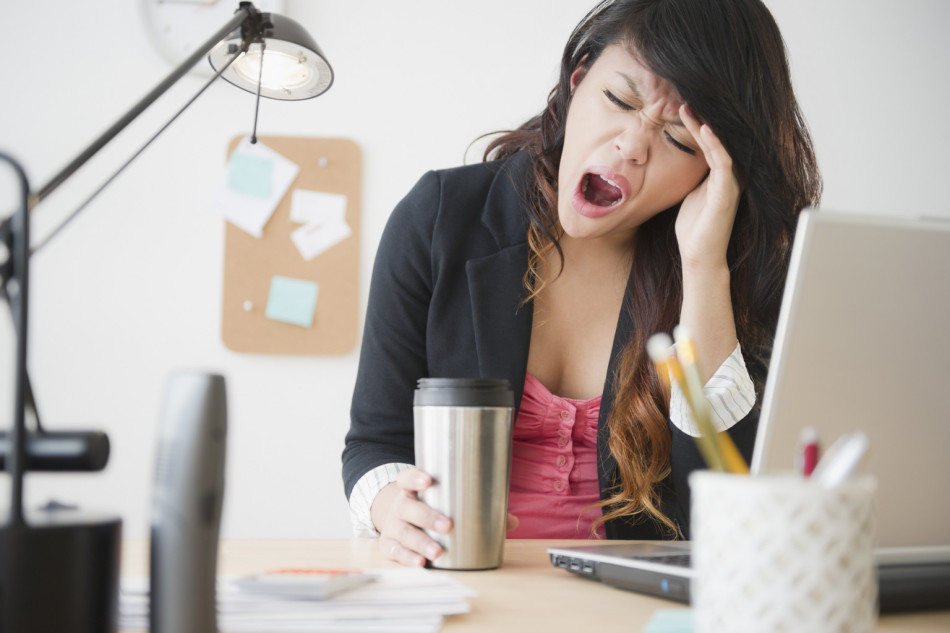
{"points": [[554, 466]]}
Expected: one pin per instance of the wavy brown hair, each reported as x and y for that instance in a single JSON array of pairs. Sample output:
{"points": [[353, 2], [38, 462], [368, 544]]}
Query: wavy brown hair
{"points": [[727, 60]]}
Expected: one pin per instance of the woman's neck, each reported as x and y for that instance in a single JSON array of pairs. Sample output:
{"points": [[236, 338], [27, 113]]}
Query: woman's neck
{"points": [[598, 256]]}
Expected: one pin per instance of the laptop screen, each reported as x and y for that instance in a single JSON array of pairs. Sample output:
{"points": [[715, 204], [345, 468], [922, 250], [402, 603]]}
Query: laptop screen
{"points": [[863, 343]]}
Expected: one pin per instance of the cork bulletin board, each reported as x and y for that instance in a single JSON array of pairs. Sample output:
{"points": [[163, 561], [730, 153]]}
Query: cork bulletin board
{"points": [[253, 265]]}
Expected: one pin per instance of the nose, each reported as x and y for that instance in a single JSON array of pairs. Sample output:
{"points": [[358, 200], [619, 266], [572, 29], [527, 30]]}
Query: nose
{"points": [[633, 141], [632, 144]]}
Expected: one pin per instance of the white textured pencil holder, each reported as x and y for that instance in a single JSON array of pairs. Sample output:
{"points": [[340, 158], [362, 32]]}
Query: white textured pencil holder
{"points": [[782, 553]]}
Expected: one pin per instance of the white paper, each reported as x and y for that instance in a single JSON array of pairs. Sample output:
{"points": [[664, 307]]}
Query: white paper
{"points": [[313, 239], [399, 601], [317, 207], [247, 212]]}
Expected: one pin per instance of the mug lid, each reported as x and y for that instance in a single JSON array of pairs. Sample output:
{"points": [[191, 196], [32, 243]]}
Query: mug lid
{"points": [[463, 392]]}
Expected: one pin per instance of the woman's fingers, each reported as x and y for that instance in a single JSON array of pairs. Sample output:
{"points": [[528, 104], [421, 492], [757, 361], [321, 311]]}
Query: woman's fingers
{"points": [[413, 480], [403, 537], [715, 153], [407, 544], [692, 126], [393, 550], [413, 511]]}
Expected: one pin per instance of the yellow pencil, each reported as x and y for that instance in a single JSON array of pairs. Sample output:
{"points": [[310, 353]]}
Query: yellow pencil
{"points": [[660, 349], [731, 455], [726, 448]]}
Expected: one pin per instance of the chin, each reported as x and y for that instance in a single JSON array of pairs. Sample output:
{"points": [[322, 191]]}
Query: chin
{"points": [[579, 227]]}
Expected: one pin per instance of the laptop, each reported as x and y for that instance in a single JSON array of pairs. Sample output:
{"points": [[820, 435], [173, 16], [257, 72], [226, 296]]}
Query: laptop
{"points": [[863, 343]]}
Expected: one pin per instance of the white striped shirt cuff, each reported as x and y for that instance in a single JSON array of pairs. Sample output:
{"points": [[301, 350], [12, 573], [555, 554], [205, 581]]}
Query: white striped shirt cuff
{"points": [[365, 491], [730, 392]]}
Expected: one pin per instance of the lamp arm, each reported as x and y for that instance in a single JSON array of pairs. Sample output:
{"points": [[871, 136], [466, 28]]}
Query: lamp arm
{"points": [[15, 237], [69, 218], [17, 294], [241, 16]]}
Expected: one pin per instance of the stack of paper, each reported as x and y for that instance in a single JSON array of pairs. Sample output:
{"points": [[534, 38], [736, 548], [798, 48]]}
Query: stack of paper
{"points": [[397, 601]]}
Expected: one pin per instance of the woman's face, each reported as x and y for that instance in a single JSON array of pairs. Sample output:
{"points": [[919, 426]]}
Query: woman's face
{"points": [[627, 155]]}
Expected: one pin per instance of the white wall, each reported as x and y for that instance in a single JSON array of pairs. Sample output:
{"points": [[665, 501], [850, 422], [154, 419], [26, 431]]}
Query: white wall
{"points": [[132, 289]]}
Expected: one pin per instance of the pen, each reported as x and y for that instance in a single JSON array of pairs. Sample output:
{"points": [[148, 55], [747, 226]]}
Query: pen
{"points": [[808, 451], [841, 460]]}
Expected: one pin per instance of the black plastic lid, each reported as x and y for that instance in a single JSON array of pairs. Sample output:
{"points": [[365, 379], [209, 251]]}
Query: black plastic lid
{"points": [[463, 392]]}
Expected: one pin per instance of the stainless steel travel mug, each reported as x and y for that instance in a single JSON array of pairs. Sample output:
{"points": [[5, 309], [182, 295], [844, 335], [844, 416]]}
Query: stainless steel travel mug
{"points": [[463, 432]]}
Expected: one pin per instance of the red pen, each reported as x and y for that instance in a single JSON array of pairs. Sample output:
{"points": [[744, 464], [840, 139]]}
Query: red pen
{"points": [[808, 447]]}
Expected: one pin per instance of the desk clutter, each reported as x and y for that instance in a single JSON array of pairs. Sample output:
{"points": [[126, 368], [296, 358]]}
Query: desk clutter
{"points": [[383, 600]]}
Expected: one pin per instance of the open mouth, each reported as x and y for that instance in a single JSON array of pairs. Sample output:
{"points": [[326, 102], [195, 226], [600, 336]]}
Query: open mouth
{"points": [[600, 191]]}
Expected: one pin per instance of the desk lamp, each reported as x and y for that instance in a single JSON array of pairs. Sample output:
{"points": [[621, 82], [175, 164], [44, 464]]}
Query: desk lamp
{"points": [[59, 567]]}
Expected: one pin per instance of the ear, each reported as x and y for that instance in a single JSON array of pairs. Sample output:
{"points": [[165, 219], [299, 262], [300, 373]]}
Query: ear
{"points": [[579, 73]]}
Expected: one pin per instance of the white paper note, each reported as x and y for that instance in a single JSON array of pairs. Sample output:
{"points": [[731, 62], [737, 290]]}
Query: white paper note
{"points": [[398, 601], [313, 239], [317, 207], [245, 207]]}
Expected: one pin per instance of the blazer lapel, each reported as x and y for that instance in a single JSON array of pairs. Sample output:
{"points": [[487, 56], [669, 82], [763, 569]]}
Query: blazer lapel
{"points": [[606, 464], [502, 324]]}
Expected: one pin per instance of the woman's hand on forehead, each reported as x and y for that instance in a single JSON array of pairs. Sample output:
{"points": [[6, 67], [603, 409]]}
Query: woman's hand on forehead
{"points": [[706, 216]]}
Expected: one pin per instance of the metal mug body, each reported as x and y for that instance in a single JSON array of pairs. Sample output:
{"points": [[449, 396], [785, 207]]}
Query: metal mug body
{"points": [[466, 449]]}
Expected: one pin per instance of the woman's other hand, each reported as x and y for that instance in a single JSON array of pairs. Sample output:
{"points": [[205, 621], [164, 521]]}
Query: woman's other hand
{"points": [[402, 519], [706, 216], [703, 228]]}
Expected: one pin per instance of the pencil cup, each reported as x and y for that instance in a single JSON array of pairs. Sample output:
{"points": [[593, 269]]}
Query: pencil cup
{"points": [[463, 441], [782, 553]]}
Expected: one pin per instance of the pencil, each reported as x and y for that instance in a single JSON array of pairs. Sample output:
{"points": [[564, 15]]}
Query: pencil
{"points": [[726, 449], [660, 349]]}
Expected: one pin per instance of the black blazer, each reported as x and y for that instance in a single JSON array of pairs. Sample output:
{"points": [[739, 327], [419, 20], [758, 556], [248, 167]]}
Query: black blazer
{"points": [[445, 301]]}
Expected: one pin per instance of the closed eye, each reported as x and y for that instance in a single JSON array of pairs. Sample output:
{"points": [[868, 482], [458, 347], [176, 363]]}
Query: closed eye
{"points": [[679, 146], [623, 105], [617, 101]]}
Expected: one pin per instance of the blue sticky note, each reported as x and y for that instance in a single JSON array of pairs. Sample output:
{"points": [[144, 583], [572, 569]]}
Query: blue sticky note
{"points": [[670, 621], [250, 175], [292, 300]]}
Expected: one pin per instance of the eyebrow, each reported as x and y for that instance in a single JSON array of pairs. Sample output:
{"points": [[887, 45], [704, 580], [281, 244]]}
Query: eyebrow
{"points": [[632, 85]]}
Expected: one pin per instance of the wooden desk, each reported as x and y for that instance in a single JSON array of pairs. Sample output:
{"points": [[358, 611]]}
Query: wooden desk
{"points": [[526, 593]]}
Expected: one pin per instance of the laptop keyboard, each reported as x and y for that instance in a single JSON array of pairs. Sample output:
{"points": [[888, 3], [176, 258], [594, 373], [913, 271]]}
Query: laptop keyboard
{"points": [[674, 560]]}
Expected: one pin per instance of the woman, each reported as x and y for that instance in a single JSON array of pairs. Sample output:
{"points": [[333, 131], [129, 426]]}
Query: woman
{"points": [[660, 186]]}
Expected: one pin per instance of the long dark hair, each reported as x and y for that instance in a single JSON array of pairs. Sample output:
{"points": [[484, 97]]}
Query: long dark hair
{"points": [[727, 60]]}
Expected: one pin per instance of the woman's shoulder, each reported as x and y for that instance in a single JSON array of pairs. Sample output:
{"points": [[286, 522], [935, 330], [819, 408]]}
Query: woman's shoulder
{"points": [[477, 177], [465, 191], [457, 214]]}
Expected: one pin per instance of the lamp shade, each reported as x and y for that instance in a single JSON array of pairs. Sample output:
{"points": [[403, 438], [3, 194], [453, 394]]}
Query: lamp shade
{"points": [[294, 67]]}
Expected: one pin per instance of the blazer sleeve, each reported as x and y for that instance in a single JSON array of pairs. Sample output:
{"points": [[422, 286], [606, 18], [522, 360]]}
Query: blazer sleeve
{"points": [[685, 458], [393, 354]]}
